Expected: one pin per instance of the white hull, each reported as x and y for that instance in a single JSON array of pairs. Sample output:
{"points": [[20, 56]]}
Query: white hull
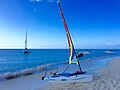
{"points": [[85, 52], [75, 78], [109, 52]]}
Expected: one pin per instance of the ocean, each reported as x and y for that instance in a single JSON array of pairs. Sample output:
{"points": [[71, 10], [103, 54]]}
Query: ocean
{"points": [[14, 60]]}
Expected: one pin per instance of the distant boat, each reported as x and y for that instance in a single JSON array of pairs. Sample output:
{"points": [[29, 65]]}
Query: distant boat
{"points": [[26, 50], [82, 53], [109, 51], [79, 75]]}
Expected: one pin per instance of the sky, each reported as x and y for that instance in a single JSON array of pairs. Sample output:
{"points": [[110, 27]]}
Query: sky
{"points": [[91, 23]]}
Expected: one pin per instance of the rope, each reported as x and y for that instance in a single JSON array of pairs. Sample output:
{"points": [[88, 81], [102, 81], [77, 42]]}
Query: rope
{"points": [[65, 69]]}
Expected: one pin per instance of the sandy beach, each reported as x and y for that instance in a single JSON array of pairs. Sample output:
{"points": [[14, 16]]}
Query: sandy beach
{"points": [[105, 78]]}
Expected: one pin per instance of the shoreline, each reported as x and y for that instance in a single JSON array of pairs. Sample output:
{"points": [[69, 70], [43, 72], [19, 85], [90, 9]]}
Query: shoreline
{"points": [[49, 66], [52, 66], [105, 78], [102, 79]]}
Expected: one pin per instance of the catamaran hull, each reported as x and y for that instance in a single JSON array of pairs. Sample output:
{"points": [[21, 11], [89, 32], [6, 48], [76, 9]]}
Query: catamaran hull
{"points": [[75, 78]]}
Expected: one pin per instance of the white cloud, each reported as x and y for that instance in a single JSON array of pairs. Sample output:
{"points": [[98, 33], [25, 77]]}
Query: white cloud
{"points": [[109, 43], [35, 0], [42, 0], [38, 0], [113, 44]]}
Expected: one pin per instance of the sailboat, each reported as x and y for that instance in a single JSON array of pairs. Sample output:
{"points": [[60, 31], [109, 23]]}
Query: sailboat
{"points": [[86, 51], [109, 51], [26, 50], [78, 75]]}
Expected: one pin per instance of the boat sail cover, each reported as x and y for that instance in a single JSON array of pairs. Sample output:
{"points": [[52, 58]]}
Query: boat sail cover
{"points": [[72, 53]]}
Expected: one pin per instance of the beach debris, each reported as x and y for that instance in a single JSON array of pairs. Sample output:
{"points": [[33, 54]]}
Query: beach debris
{"points": [[10, 75], [40, 68], [27, 72], [13, 75]]}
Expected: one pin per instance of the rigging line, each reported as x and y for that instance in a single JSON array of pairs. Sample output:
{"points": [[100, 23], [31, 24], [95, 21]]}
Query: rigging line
{"points": [[75, 40], [70, 43], [65, 69]]}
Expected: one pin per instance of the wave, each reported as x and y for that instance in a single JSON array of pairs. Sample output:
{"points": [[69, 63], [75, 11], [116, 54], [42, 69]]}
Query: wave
{"points": [[29, 71]]}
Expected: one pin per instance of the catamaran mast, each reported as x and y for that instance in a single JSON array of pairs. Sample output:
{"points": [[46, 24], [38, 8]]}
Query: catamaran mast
{"points": [[26, 40], [71, 47]]}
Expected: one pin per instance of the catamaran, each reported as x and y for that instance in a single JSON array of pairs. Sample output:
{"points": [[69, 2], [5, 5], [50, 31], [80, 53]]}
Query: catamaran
{"points": [[108, 51], [78, 75], [86, 51], [26, 50]]}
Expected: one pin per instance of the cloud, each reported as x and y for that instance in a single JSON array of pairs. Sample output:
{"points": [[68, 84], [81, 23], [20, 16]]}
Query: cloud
{"points": [[35, 0], [113, 44], [38, 0], [50, 1], [109, 43]]}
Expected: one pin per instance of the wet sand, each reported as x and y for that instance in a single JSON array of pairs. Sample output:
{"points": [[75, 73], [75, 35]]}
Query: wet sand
{"points": [[105, 78]]}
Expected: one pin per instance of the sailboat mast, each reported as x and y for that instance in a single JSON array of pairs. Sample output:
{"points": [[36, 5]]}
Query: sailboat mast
{"points": [[65, 25], [26, 40], [70, 43]]}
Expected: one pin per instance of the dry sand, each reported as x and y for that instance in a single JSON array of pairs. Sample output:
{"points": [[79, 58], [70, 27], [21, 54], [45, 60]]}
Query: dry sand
{"points": [[106, 78]]}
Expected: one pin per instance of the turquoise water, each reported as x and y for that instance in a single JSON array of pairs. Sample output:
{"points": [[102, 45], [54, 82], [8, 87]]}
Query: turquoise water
{"points": [[14, 60]]}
